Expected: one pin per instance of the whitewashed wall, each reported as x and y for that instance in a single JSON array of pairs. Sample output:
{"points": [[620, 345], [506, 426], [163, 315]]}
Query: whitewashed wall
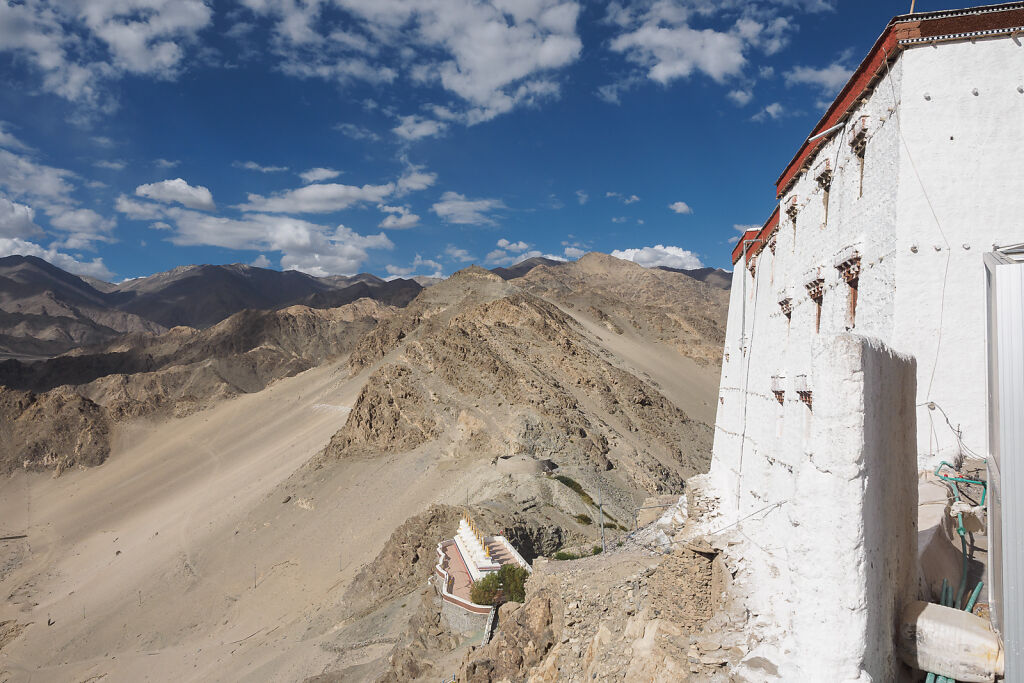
{"points": [[921, 217], [929, 208]]}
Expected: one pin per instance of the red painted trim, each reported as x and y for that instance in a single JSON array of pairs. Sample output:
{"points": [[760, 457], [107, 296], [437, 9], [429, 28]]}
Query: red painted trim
{"points": [[886, 48], [761, 234]]}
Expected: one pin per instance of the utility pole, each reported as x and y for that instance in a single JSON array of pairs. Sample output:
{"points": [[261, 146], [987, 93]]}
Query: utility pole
{"points": [[600, 510]]}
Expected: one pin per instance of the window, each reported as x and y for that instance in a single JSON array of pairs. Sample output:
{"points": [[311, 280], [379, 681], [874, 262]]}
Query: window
{"points": [[816, 292], [824, 180], [849, 270]]}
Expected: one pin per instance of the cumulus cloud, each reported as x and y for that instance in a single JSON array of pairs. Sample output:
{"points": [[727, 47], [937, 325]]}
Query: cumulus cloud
{"points": [[667, 40], [8, 139], [83, 227], [17, 220], [492, 56], [414, 179], [630, 199], [456, 208], [317, 198], [77, 48], [513, 246], [253, 166], [574, 252], [414, 127], [356, 132], [398, 218], [582, 197], [136, 210], [418, 263], [500, 257], [773, 111], [177, 190], [740, 97], [16, 246], [660, 255], [680, 207], [22, 177], [165, 163], [261, 261], [305, 246], [457, 253], [315, 175], [828, 79]]}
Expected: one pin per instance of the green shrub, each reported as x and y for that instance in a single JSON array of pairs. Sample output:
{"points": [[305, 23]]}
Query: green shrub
{"points": [[508, 584], [584, 519], [575, 486], [563, 555], [597, 550]]}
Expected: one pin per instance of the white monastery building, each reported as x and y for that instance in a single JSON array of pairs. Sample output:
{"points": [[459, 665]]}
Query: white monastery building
{"points": [[855, 354]]}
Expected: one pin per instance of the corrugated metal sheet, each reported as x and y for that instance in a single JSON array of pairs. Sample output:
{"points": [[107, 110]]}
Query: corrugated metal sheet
{"points": [[1005, 279]]}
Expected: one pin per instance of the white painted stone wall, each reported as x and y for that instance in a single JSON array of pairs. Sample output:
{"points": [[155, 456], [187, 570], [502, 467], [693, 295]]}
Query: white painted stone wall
{"points": [[925, 211], [920, 217], [825, 572]]}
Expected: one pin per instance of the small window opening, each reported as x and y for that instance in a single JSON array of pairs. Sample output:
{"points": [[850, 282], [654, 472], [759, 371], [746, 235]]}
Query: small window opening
{"points": [[825, 183], [849, 270], [858, 143], [816, 292]]}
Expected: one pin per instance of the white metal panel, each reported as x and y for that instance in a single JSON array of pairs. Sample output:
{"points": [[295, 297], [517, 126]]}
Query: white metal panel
{"points": [[1005, 280]]}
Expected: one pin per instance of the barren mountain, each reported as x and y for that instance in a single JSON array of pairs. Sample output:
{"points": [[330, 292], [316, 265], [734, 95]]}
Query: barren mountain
{"points": [[45, 311], [176, 373], [663, 306], [276, 484]]}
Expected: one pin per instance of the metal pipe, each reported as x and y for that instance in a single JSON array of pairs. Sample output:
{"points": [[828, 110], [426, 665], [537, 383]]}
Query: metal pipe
{"points": [[826, 132]]}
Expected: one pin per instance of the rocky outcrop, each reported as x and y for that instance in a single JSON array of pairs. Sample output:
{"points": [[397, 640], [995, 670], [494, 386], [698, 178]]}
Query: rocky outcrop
{"points": [[478, 367], [55, 430]]}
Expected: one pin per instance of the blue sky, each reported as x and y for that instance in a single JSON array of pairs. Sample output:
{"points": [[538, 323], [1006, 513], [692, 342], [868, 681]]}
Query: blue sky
{"points": [[402, 138]]}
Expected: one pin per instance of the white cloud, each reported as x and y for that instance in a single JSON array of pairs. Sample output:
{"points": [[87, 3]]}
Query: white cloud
{"points": [[513, 246], [315, 175], [631, 199], [414, 179], [84, 226], [582, 197], [574, 252], [773, 111], [17, 220], [356, 132], [136, 210], [414, 127], [8, 140], [418, 263], [253, 166], [660, 255], [828, 79], [76, 48], [94, 268], [457, 253], [21, 177], [499, 257], [261, 261], [455, 208], [740, 97], [494, 56], [398, 218], [165, 163], [317, 198], [309, 247], [619, 219], [680, 207], [177, 190], [111, 164]]}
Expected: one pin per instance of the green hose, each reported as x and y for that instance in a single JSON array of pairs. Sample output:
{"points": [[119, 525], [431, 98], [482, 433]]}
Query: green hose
{"points": [[946, 599]]}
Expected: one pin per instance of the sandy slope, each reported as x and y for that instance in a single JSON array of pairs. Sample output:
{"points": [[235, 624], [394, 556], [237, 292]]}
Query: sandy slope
{"points": [[194, 506]]}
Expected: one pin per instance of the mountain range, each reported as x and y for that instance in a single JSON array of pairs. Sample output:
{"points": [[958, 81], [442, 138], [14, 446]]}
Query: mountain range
{"points": [[45, 311]]}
